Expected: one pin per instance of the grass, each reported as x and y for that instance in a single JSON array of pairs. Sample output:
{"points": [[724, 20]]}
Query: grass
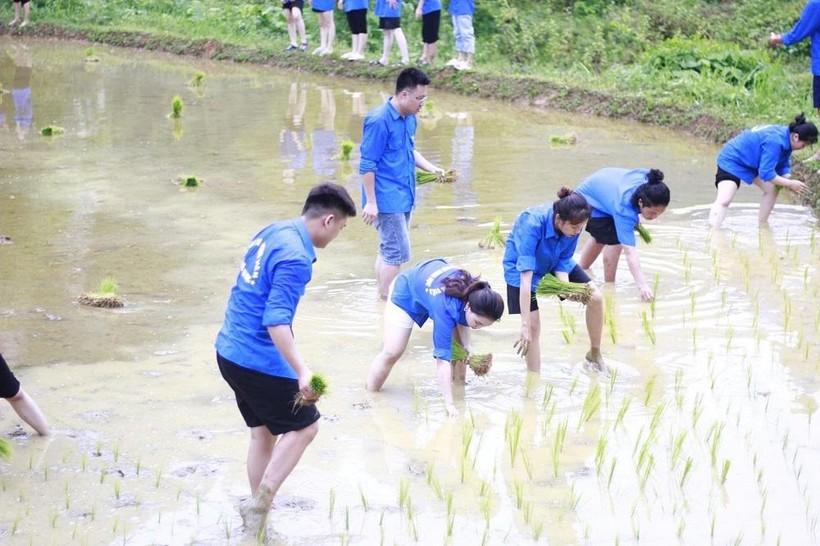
{"points": [[318, 384]]}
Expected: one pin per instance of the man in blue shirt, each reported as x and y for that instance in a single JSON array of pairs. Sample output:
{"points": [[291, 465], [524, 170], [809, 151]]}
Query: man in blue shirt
{"points": [[807, 26], [388, 166], [256, 352]]}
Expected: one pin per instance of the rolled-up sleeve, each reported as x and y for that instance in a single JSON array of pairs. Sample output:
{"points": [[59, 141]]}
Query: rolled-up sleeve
{"points": [[526, 239], [288, 283], [784, 166], [769, 158], [625, 229], [443, 326], [374, 141]]}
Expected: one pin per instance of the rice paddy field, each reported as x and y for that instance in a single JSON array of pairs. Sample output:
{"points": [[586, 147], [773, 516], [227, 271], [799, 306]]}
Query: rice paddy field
{"points": [[703, 432]]}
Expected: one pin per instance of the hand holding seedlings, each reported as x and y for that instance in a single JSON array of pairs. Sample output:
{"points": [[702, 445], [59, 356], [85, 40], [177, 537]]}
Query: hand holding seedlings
{"points": [[311, 391], [646, 293], [522, 346]]}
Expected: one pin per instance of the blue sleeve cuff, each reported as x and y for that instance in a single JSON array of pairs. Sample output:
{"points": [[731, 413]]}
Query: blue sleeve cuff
{"points": [[367, 166], [277, 316], [443, 354], [565, 266], [525, 263]]}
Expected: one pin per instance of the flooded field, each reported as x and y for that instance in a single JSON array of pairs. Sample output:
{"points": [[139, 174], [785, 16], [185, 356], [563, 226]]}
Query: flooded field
{"points": [[703, 433]]}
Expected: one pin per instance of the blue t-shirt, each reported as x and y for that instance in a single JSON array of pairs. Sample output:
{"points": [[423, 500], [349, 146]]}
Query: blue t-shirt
{"points": [[535, 245], [419, 292], [383, 9], [461, 7], [277, 266], [430, 6], [763, 151], [351, 5], [609, 192], [323, 5], [388, 141], [808, 25]]}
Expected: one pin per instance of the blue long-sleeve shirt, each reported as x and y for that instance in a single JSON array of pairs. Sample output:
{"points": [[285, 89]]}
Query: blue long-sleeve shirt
{"points": [[352, 5], [430, 6], [388, 141], [278, 264], [808, 26], [461, 7], [763, 151], [419, 291], [609, 192], [384, 9], [534, 245]]}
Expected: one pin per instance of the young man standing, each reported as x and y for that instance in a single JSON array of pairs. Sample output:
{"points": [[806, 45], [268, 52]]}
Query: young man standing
{"points": [[256, 351], [388, 163], [462, 12], [807, 26]]}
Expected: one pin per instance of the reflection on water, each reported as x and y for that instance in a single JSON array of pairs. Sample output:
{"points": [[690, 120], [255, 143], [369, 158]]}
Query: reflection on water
{"points": [[704, 434]]}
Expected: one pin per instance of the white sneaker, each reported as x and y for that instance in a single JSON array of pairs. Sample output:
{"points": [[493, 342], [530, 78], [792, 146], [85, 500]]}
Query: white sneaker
{"points": [[452, 62], [23, 24], [14, 22], [347, 56], [319, 51]]}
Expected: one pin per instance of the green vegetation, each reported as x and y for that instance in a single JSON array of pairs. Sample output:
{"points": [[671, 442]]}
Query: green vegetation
{"points": [[190, 181], [5, 449], [563, 140], [644, 234], [447, 177], [347, 149], [51, 130], [176, 107], [494, 237], [550, 285], [198, 78], [106, 296]]}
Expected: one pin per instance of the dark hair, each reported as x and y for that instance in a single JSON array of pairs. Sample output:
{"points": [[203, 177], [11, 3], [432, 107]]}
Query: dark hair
{"points": [[806, 130], [410, 78], [571, 206], [653, 192], [483, 300], [328, 197]]}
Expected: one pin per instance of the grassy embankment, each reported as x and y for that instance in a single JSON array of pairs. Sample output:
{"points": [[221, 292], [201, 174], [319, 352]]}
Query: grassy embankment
{"points": [[700, 66]]}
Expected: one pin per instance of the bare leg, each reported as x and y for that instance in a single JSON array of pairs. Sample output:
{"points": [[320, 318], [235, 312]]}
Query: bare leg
{"points": [[395, 342], [291, 27], [387, 44], [385, 273], [432, 51], [726, 190], [767, 201], [595, 325], [26, 10], [612, 253], [260, 450], [362, 41], [300, 24], [29, 411], [533, 357], [402, 43], [589, 253], [331, 33]]}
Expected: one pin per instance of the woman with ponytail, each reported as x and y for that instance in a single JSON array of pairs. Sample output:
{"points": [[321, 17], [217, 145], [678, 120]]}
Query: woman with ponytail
{"points": [[543, 240], [619, 198], [454, 299], [760, 156]]}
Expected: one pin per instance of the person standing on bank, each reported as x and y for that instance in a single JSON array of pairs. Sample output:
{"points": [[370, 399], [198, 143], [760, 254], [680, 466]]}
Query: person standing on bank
{"points": [[22, 404], [292, 9], [356, 13], [429, 11], [256, 351], [327, 26], [543, 240], [462, 14], [455, 300], [388, 165], [389, 14], [807, 26], [619, 198], [760, 156]]}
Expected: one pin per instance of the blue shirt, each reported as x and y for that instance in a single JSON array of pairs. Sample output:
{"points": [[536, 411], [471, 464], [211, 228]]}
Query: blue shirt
{"points": [[383, 9], [277, 266], [808, 25], [461, 7], [323, 5], [419, 292], [431, 6], [388, 140], [535, 245], [609, 192], [351, 5], [763, 151]]}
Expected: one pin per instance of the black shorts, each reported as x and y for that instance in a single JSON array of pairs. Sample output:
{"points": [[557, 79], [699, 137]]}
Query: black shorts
{"points": [[294, 4], [722, 175], [513, 292], [430, 23], [603, 230], [9, 386], [314, 10], [267, 400], [816, 91], [20, 1], [389, 23], [357, 21]]}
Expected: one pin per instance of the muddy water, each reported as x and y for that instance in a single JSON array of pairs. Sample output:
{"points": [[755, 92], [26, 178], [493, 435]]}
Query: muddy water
{"points": [[703, 435]]}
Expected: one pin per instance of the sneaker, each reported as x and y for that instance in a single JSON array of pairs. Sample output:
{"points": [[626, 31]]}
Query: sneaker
{"points": [[318, 51], [347, 56], [303, 46], [23, 24], [291, 47], [14, 22], [452, 62]]}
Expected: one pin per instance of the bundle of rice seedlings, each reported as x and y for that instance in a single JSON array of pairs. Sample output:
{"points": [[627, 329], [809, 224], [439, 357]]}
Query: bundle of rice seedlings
{"points": [[176, 107], [447, 177], [563, 140], [347, 149], [190, 181], [51, 130], [550, 285], [494, 238], [318, 384], [199, 76], [429, 110], [105, 296], [91, 56], [643, 233], [5, 449], [480, 364]]}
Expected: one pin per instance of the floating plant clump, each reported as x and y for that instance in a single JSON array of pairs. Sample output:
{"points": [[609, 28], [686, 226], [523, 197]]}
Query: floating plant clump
{"points": [[176, 107], [643, 233], [318, 384], [563, 140], [51, 130], [197, 79], [447, 177], [91, 56], [479, 364], [5, 449], [494, 238], [347, 149], [550, 285], [106, 295], [190, 181]]}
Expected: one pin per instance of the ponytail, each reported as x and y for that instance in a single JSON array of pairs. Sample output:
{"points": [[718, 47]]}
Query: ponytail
{"points": [[571, 206], [806, 131], [483, 300], [654, 192]]}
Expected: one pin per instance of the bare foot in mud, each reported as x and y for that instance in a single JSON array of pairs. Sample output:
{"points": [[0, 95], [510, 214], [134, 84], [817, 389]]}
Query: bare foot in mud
{"points": [[254, 511], [594, 362]]}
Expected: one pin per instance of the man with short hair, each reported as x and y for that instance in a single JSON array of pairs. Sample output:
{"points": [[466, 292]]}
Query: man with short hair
{"points": [[388, 164], [256, 351]]}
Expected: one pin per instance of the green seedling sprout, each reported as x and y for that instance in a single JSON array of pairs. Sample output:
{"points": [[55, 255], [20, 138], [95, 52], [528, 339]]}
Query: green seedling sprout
{"points": [[563, 140], [527, 512], [332, 503], [6, 451], [513, 433], [51, 130], [198, 79], [612, 466], [600, 454], [318, 384], [537, 529], [648, 389], [647, 327], [558, 446], [494, 238], [424, 177], [527, 464], [677, 448], [404, 493], [106, 296], [727, 464], [591, 404], [644, 234], [609, 318], [189, 181], [346, 150], [518, 488], [176, 107], [687, 469], [622, 412], [550, 285]]}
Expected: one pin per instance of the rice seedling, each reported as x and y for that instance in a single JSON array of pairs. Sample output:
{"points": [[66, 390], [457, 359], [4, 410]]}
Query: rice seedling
{"points": [[609, 317], [513, 435], [537, 529], [318, 384], [612, 466], [117, 489], [550, 285], [600, 453], [91, 55], [158, 479], [715, 435], [573, 385], [447, 177], [346, 150], [106, 296], [51, 130], [138, 467], [727, 464], [712, 527], [548, 392], [619, 419], [404, 493], [6, 451], [451, 520], [687, 469], [518, 489], [347, 519], [613, 378], [198, 79], [643, 233], [730, 334], [527, 464], [189, 181], [558, 446], [563, 140], [494, 237], [53, 519], [647, 327], [15, 525], [677, 448], [656, 419], [591, 404], [648, 389], [332, 503], [176, 107]]}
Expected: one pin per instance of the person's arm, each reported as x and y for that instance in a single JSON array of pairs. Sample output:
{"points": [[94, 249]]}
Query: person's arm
{"points": [[444, 326], [525, 237], [797, 186], [340, 4], [374, 141], [769, 166], [807, 25], [423, 164], [634, 264], [444, 376], [420, 9], [524, 297], [282, 337], [371, 206]]}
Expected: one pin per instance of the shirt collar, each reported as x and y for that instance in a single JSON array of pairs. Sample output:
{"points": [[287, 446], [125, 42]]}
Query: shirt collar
{"points": [[392, 110], [550, 227], [302, 229], [787, 138]]}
